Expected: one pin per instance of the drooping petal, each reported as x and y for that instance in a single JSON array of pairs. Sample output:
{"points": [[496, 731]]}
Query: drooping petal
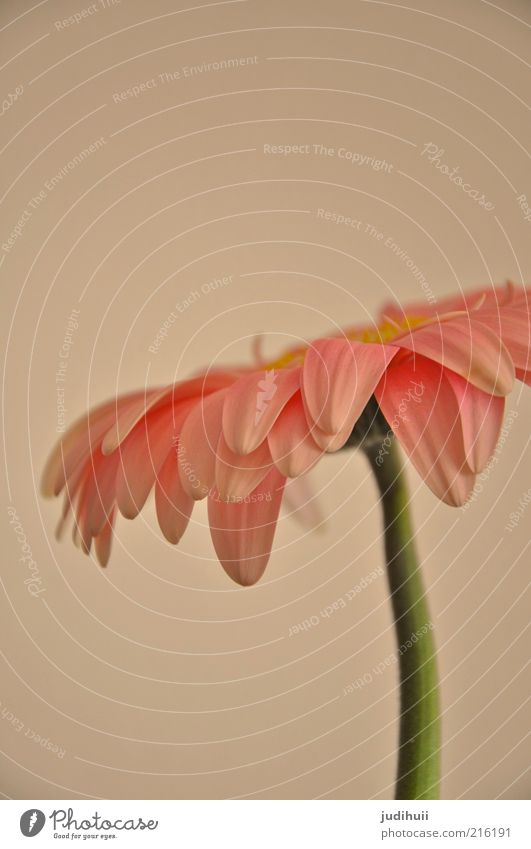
{"points": [[242, 532], [73, 488], [141, 456], [253, 404], [301, 502], [513, 324], [293, 449], [176, 394], [464, 345], [127, 418], [198, 444], [103, 542], [331, 442], [524, 375], [99, 491], [238, 474], [481, 420], [81, 439], [328, 442], [339, 378], [173, 505], [80, 535], [420, 406]]}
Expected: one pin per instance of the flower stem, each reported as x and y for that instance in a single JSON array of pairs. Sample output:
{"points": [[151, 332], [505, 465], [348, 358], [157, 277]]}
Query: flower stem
{"points": [[418, 758]]}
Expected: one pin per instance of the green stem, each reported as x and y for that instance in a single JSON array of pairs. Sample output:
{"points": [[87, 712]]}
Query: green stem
{"points": [[418, 758]]}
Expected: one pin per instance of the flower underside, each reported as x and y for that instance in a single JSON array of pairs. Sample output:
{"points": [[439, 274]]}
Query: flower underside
{"points": [[436, 377]]}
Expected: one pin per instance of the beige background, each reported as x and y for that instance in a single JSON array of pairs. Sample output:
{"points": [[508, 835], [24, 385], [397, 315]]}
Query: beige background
{"points": [[158, 677]]}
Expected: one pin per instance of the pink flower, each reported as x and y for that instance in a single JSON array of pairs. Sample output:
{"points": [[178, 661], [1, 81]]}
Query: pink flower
{"points": [[439, 374]]}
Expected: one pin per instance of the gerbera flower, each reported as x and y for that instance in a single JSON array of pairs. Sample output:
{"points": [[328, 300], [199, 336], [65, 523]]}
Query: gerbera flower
{"points": [[439, 376]]}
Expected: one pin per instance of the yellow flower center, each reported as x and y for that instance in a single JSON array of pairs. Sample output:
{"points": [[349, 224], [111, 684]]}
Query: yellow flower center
{"points": [[384, 332]]}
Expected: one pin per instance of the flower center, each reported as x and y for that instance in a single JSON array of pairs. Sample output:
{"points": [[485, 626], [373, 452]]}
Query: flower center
{"points": [[384, 332]]}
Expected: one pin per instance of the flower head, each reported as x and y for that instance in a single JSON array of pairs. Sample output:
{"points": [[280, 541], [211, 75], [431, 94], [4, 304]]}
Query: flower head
{"points": [[439, 376]]}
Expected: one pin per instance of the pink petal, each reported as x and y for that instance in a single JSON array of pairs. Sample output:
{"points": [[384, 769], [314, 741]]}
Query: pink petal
{"points": [[198, 444], [103, 541], [81, 535], [81, 439], [339, 378], [238, 474], [331, 442], [141, 456], [481, 420], [74, 487], [187, 389], [99, 491], [292, 447], [301, 503], [173, 505], [253, 404], [128, 417], [523, 375], [420, 406], [466, 346], [243, 532], [513, 324], [328, 442]]}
